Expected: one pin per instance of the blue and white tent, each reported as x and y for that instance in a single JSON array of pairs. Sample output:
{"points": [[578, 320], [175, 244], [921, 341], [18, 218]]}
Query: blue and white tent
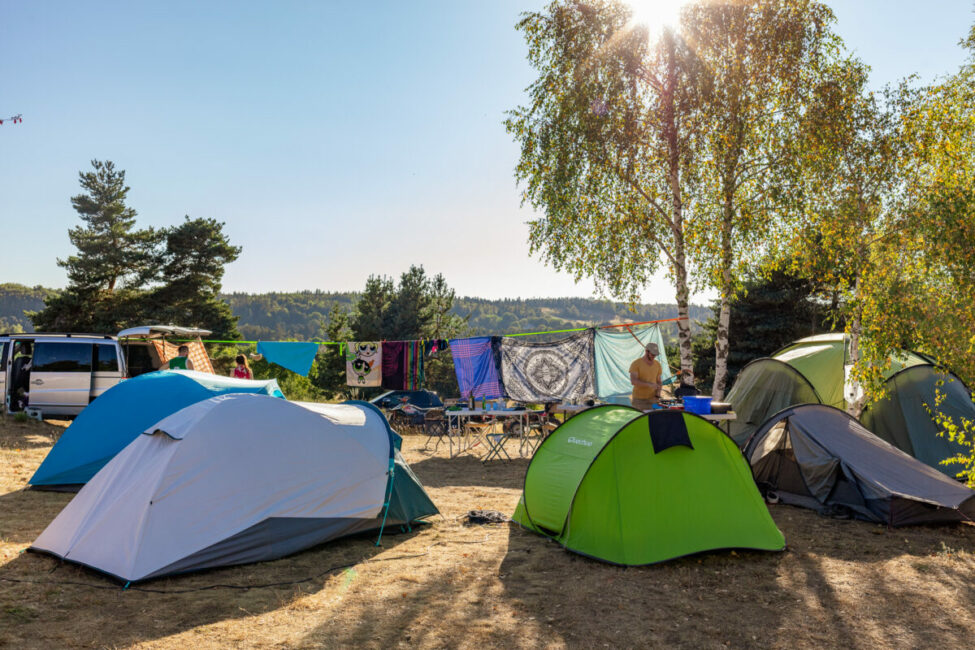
{"points": [[237, 479], [124, 411]]}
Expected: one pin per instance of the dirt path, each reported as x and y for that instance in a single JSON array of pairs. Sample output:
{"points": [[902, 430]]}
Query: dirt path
{"points": [[841, 583]]}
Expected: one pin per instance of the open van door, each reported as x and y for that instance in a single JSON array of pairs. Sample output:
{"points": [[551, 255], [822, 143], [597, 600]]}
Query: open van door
{"points": [[148, 347], [4, 353]]}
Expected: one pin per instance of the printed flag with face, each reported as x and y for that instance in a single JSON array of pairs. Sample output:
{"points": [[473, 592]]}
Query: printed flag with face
{"points": [[364, 363]]}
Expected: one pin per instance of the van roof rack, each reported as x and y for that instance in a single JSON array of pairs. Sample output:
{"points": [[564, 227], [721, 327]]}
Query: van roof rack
{"points": [[64, 334]]}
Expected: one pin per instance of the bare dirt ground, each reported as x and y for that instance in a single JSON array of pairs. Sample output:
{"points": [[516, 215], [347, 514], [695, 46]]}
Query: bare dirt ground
{"points": [[841, 583]]}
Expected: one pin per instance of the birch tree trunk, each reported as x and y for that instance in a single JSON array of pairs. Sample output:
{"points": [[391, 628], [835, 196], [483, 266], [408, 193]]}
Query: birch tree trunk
{"points": [[855, 401], [670, 133], [721, 345]]}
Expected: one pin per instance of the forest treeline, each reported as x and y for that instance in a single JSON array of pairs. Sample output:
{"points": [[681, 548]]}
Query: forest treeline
{"points": [[15, 300], [300, 315]]}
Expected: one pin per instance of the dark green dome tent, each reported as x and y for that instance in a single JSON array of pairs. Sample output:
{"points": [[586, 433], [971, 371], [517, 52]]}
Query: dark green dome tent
{"points": [[810, 371], [633, 488], [820, 457], [904, 416]]}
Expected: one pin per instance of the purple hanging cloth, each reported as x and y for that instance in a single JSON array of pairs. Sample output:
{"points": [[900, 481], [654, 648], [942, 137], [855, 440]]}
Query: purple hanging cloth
{"points": [[476, 366]]}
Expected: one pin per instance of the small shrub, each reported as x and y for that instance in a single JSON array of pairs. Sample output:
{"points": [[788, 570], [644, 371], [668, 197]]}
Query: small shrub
{"points": [[21, 416]]}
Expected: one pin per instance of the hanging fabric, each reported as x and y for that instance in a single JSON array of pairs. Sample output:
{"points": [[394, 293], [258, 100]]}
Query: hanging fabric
{"points": [[615, 350], [476, 366], [394, 366], [413, 351], [198, 354], [295, 356], [364, 363], [546, 372]]}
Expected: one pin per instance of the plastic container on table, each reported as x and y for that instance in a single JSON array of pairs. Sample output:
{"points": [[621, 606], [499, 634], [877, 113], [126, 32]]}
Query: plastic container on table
{"points": [[700, 404]]}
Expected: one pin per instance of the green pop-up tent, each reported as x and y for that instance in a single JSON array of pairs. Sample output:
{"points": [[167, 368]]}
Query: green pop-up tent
{"points": [[633, 488]]}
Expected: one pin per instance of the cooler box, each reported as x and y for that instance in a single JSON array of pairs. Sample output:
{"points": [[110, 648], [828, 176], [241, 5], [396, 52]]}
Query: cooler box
{"points": [[697, 404]]}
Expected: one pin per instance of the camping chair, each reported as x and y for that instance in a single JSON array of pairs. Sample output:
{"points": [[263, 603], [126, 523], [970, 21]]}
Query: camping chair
{"points": [[435, 426], [495, 443], [540, 426]]}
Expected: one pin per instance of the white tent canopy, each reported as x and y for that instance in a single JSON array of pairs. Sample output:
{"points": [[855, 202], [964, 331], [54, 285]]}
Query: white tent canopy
{"points": [[236, 478]]}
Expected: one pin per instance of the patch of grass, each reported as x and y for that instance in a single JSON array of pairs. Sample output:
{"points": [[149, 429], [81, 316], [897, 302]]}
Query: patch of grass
{"points": [[21, 417], [20, 614]]}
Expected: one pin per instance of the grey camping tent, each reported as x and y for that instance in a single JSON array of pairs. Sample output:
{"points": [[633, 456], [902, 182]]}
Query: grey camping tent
{"points": [[819, 457], [233, 479]]}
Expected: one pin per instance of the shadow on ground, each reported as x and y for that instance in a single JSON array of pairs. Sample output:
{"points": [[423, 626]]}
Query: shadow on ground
{"points": [[29, 435], [25, 513], [94, 608], [840, 583], [468, 470]]}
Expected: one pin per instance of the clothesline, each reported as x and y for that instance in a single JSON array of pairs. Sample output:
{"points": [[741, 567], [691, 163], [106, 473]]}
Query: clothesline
{"points": [[565, 331]]}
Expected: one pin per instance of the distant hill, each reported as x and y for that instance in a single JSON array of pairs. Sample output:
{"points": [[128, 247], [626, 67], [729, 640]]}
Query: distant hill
{"points": [[301, 315], [15, 299]]}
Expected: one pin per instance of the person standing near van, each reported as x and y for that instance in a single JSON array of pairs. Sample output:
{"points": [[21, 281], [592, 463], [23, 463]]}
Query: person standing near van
{"points": [[182, 360], [20, 375], [645, 374], [242, 370]]}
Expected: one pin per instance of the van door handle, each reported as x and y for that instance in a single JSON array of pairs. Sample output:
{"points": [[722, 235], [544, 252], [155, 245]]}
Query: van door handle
{"points": [[38, 382]]}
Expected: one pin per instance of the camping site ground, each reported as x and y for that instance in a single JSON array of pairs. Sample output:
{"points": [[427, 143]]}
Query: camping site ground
{"points": [[840, 583]]}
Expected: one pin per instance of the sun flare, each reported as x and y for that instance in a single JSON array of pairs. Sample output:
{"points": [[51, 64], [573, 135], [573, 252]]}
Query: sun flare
{"points": [[656, 14]]}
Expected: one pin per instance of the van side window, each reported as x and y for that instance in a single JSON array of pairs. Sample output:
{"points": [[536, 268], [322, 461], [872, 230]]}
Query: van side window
{"points": [[62, 357], [106, 359], [3, 355]]}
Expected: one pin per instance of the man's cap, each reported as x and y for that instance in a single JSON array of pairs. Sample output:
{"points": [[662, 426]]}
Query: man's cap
{"points": [[653, 349]]}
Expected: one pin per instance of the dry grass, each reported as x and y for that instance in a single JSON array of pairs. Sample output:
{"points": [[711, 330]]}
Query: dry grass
{"points": [[842, 583]]}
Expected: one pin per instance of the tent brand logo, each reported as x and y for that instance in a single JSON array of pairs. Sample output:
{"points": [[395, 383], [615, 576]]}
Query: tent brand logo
{"points": [[577, 441]]}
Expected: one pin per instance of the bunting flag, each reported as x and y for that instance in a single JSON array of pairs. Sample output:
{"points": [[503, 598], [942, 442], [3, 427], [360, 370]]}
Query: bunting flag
{"points": [[13, 119], [548, 372], [296, 356]]}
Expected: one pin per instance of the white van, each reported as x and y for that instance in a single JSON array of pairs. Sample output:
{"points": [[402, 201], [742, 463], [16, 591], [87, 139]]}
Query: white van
{"points": [[57, 374], [49, 374]]}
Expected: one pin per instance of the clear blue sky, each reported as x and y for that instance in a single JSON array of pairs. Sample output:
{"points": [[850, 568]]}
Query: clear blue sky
{"points": [[335, 139]]}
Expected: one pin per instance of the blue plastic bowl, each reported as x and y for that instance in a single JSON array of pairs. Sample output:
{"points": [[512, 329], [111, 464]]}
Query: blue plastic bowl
{"points": [[697, 404]]}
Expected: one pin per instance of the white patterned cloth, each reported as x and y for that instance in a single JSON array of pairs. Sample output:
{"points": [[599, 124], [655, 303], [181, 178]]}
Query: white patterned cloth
{"points": [[563, 370]]}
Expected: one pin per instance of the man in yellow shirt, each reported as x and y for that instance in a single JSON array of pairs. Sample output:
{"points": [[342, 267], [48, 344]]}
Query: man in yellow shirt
{"points": [[645, 375]]}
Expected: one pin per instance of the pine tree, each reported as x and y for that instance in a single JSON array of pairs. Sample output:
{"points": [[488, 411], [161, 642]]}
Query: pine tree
{"points": [[768, 315], [195, 255], [371, 311], [113, 261], [410, 308]]}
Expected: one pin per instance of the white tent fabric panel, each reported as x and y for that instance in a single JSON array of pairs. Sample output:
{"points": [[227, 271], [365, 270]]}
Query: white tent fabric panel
{"points": [[218, 468]]}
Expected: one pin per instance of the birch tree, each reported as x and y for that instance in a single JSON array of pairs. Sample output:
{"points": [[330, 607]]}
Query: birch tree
{"points": [[761, 57], [606, 149], [852, 227]]}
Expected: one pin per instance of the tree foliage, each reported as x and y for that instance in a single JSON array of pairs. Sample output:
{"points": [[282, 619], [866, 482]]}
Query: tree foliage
{"points": [[605, 148], [769, 312], [761, 58], [193, 262], [122, 276]]}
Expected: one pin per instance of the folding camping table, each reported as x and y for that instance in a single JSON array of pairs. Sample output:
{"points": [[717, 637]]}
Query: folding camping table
{"points": [[461, 429]]}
